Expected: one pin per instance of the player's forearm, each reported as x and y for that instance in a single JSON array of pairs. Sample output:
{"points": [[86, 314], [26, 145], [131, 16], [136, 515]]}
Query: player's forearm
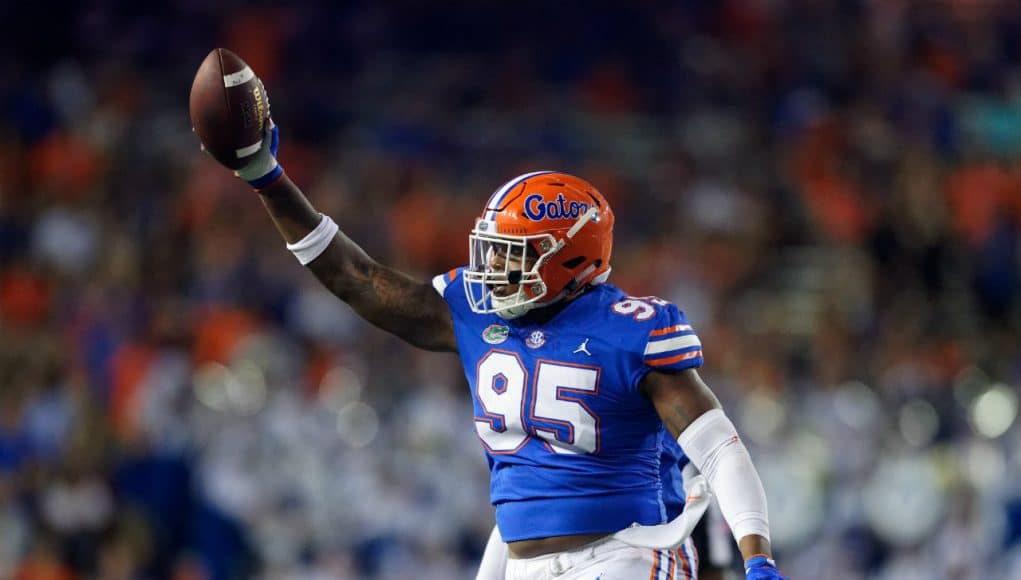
{"points": [[342, 266], [693, 414], [388, 299], [292, 212], [712, 444], [384, 297]]}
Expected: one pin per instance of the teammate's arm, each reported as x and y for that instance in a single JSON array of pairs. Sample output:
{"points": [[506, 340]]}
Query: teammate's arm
{"points": [[387, 298], [692, 413]]}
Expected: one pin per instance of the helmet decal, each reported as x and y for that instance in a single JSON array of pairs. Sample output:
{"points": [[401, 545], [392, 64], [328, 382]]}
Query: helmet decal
{"points": [[537, 208]]}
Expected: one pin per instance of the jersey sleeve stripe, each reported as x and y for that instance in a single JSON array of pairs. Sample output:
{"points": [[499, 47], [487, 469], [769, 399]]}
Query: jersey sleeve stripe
{"points": [[674, 359], [440, 284], [670, 329], [676, 343], [451, 275]]}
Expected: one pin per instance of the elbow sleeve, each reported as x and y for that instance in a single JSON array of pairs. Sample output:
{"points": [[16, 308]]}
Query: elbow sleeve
{"points": [[712, 444]]}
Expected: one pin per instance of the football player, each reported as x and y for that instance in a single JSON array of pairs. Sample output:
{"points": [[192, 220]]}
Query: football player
{"points": [[574, 381]]}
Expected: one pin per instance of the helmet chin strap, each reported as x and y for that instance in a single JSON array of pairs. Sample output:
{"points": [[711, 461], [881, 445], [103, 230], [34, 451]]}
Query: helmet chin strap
{"points": [[514, 312], [589, 215], [568, 293], [511, 312]]}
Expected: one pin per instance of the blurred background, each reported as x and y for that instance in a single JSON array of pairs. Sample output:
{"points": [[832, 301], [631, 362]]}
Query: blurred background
{"points": [[831, 190]]}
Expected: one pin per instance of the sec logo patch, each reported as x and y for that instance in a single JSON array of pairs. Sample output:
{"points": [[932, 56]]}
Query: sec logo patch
{"points": [[536, 339]]}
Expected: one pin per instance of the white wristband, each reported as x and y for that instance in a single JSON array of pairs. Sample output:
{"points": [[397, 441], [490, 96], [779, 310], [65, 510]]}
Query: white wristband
{"points": [[315, 243]]}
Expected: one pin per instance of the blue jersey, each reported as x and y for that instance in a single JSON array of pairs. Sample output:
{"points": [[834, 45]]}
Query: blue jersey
{"points": [[672, 463], [573, 446]]}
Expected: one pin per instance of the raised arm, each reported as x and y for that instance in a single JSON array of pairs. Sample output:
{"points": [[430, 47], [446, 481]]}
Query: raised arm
{"points": [[230, 113], [692, 413], [393, 301], [389, 299]]}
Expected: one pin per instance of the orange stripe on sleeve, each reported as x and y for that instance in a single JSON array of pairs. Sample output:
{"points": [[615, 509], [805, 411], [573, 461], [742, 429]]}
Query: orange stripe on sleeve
{"points": [[452, 274], [669, 329], [675, 359]]}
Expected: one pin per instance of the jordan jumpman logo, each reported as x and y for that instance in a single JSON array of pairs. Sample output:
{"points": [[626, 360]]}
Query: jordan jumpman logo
{"points": [[583, 348]]}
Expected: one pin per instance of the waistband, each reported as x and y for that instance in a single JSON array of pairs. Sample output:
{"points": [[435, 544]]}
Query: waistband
{"points": [[566, 516]]}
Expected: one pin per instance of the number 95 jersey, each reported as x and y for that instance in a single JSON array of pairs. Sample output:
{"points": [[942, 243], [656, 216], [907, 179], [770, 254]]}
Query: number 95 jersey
{"points": [[573, 446]]}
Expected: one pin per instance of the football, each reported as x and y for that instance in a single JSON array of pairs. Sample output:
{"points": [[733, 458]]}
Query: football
{"points": [[229, 108]]}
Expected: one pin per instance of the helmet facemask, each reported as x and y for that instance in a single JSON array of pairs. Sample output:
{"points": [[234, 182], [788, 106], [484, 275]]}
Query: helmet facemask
{"points": [[504, 271], [503, 276]]}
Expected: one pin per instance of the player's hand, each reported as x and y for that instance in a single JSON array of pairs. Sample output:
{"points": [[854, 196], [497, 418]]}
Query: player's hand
{"points": [[263, 169], [762, 568]]}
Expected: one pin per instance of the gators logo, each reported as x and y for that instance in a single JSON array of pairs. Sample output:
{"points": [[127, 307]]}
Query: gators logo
{"points": [[495, 333], [538, 209]]}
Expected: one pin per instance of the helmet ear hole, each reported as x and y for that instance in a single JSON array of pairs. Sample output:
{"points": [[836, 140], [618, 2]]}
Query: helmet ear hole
{"points": [[573, 262]]}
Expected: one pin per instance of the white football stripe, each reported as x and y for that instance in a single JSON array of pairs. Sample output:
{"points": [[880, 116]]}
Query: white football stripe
{"points": [[239, 78], [246, 151], [672, 344], [497, 197]]}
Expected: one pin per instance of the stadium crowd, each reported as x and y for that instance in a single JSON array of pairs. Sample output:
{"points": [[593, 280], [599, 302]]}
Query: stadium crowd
{"points": [[831, 190]]}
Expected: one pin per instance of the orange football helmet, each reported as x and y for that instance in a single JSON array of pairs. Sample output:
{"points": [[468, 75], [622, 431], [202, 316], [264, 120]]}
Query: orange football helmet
{"points": [[543, 237]]}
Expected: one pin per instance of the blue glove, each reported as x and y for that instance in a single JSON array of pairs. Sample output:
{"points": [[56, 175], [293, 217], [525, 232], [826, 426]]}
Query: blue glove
{"points": [[762, 568], [263, 169]]}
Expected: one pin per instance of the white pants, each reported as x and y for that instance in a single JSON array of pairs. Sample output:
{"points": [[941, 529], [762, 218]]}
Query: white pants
{"points": [[609, 559]]}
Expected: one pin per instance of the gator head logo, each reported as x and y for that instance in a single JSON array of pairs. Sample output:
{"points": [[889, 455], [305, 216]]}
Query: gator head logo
{"points": [[538, 209], [495, 333]]}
